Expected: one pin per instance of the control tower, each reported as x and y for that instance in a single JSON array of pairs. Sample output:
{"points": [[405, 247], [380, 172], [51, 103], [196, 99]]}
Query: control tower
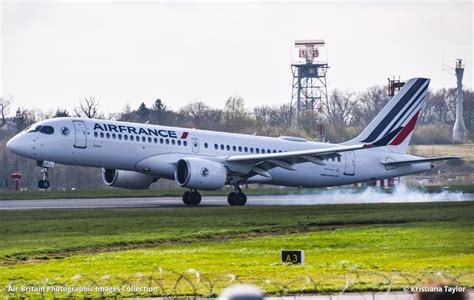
{"points": [[459, 129], [309, 89]]}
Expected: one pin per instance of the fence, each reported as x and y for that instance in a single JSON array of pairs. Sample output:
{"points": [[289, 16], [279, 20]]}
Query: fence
{"points": [[191, 283]]}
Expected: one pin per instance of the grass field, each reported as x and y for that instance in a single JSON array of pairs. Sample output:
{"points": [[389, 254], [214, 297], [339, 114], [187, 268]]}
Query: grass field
{"points": [[372, 246], [122, 193]]}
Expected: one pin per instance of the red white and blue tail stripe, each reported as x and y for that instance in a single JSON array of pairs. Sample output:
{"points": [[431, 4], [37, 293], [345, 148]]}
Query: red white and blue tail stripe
{"points": [[395, 123]]}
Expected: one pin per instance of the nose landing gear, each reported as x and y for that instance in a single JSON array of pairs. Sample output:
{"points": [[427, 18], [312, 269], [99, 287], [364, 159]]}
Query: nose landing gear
{"points": [[44, 183], [45, 165]]}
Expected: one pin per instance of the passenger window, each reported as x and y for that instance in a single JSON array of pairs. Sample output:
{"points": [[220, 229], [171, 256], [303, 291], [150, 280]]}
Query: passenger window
{"points": [[143, 139], [222, 147], [228, 148], [113, 136], [216, 146], [251, 150], [179, 143], [96, 134], [240, 148], [107, 135], [131, 137], [234, 148], [137, 138], [155, 140], [161, 141], [167, 142], [185, 143], [257, 150], [246, 149], [125, 137], [119, 136], [205, 145], [173, 142]]}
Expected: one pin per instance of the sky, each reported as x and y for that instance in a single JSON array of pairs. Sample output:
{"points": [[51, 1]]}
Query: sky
{"points": [[53, 54]]}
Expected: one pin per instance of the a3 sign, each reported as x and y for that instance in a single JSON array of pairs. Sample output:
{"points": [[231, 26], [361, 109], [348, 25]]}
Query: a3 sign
{"points": [[294, 257]]}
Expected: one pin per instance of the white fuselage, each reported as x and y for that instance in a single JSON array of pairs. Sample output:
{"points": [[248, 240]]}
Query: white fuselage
{"points": [[155, 149]]}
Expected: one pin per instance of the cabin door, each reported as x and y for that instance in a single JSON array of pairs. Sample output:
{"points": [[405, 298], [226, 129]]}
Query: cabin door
{"points": [[350, 163], [81, 134]]}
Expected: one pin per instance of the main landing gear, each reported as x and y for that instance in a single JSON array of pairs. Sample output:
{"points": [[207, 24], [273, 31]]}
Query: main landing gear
{"points": [[44, 183], [237, 198], [192, 198]]}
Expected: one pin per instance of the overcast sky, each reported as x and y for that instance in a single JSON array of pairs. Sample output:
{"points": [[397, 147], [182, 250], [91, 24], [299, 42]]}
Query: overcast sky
{"points": [[55, 53]]}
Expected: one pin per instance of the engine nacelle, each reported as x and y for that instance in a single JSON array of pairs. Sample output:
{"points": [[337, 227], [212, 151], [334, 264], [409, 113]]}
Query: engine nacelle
{"points": [[202, 174], [127, 179]]}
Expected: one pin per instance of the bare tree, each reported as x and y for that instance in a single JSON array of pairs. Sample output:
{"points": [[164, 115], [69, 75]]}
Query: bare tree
{"points": [[200, 115], [339, 108], [369, 104], [234, 116], [4, 110], [88, 107]]}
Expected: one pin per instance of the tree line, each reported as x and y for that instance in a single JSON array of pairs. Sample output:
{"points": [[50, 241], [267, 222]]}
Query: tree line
{"points": [[344, 115]]}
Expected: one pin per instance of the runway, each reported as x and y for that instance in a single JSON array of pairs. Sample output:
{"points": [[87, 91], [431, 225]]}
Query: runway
{"points": [[329, 197]]}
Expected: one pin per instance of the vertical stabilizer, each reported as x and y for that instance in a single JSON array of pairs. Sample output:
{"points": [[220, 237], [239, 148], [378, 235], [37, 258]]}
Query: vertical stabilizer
{"points": [[394, 124]]}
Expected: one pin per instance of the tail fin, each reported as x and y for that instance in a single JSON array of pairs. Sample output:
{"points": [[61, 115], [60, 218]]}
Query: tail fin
{"points": [[393, 126]]}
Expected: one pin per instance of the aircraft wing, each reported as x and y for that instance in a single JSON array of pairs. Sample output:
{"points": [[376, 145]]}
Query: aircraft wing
{"points": [[419, 161], [262, 162]]}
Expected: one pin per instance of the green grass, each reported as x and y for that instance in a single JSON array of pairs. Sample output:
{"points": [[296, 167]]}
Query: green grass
{"points": [[404, 242], [154, 193]]}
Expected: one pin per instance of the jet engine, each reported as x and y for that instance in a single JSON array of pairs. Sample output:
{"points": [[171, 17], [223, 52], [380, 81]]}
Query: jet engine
{"points": [[127, 179], [198, 173]]}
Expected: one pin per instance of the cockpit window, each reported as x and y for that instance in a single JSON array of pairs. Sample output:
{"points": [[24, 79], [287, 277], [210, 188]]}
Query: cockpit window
{"points": [[37, 128], [47, 129]]}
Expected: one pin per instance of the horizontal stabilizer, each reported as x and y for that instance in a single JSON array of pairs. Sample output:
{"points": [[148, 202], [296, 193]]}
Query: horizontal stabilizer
{"points": [[419, 161]]}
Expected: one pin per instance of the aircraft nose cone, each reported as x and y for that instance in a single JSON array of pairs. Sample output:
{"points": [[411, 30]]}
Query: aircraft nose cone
{"points": [[13, 144]]}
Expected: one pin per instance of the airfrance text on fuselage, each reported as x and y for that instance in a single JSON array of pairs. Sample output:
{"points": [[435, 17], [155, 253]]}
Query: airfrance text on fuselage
{"points": [[140, 130]]}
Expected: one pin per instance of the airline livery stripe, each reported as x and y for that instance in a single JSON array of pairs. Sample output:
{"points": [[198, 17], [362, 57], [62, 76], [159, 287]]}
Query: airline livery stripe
{"points": [[406, 131], [395, 110], [406, 115], [387, 138]]}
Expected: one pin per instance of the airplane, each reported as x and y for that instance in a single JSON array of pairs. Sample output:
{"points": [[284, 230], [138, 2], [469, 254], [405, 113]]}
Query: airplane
{"points": [[134, 155]]}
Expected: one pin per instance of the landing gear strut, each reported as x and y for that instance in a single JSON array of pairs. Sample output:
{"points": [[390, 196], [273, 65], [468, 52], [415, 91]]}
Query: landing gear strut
{"points": [[44, 183], [192, 198], [237, 198]]}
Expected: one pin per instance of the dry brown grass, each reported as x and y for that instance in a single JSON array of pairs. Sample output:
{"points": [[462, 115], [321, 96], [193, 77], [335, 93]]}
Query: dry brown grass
{"points": [[464, 150]]}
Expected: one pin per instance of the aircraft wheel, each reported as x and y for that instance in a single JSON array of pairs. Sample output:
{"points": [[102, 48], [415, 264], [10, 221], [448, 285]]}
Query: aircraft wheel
{"points": [[187, 198], [237, 199], [43, 184], [195, 197]]}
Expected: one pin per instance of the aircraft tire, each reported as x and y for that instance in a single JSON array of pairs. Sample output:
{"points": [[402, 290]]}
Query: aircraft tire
{"points": [[195, 198], [43, 184], [187, 198], [237, 199]]}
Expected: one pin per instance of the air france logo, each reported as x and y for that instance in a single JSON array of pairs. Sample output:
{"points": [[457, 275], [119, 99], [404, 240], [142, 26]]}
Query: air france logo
{"points": [[204, 172], [140, 130], [65, 131]]}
